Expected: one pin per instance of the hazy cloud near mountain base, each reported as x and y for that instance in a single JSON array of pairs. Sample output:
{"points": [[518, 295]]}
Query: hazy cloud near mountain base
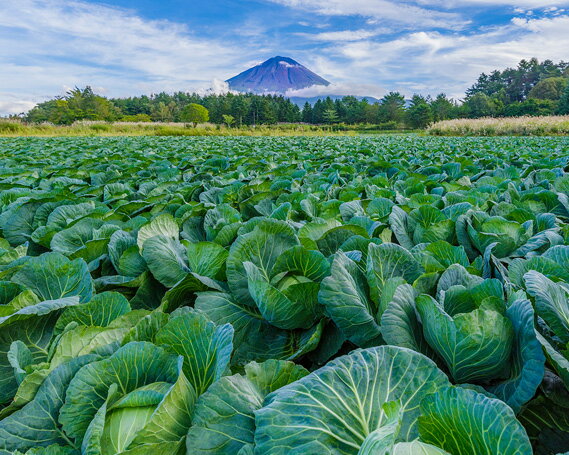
{"points": [[339, 89], [218, 87]]}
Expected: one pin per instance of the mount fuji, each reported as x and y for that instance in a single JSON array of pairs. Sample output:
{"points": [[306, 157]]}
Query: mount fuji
{"points": [[277, 75]]}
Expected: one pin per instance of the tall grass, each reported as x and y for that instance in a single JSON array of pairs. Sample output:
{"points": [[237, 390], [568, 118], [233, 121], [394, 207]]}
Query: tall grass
{"points": [[96, 128], [509, 126], [14, 128]]}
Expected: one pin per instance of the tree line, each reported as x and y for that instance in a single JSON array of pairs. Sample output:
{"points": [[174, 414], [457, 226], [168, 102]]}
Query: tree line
{"points": [[532, 88]]}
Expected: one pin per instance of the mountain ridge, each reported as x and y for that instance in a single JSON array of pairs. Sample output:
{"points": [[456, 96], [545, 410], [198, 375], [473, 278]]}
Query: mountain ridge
{"points": [[275, 75]]}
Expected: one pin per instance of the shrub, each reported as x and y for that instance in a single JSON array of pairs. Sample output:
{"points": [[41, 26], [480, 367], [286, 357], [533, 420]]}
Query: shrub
{"points": [[100, 128], [10, 127], [144, 118]]}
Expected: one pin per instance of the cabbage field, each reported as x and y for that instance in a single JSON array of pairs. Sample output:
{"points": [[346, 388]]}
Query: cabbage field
{"points": [[272, 296]]}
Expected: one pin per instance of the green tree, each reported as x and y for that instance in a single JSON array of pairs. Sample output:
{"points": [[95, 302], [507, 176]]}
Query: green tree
{"points": [[229, 120], [78, 104], [61, 113], [307, 113], [563, 107], [87, 105], [141, 118], [162, 112], [269, 111], [330, 116], [341, 110], [419, 114], [549, 89], [194, 113], [392, 108], [514, 84], [239, 108], [371, 112], [531, 107], [443, 108], [480, 105], [318, 112], [354, 109]]}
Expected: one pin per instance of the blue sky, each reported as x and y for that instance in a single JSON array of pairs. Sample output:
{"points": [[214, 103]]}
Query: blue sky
{"points": [[364, 47]]}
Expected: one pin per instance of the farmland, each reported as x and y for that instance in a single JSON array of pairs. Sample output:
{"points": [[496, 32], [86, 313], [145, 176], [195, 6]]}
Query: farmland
{"points": [[300, 295]]}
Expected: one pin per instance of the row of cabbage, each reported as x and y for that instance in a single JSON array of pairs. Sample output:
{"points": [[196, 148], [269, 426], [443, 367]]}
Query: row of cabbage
{"points": [[275, 296]]}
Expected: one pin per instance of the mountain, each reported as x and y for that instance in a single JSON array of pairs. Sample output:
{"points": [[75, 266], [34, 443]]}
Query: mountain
{"points": [[276, 75]]}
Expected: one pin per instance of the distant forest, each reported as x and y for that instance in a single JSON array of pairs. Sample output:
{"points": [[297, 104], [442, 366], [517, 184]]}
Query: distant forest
{"points": [[532, 88]]}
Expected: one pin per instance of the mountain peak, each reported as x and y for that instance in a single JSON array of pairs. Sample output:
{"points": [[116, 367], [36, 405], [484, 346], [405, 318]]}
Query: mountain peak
{"points": [[276, 75]]}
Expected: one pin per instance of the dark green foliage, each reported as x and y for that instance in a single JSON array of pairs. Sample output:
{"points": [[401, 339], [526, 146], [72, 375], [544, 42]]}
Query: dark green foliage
{"points": [[563, 107], [78, 104], [194, 113]]}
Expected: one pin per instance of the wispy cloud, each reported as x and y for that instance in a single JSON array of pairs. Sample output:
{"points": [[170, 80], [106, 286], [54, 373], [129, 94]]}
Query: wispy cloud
{"points": [[433, 61], [385, 11], [11, 103], [346, 35], [340, 89], [448, 4], [48, 45]]}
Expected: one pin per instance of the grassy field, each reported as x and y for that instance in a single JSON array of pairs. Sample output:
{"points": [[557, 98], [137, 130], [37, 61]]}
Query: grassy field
{"points": [[515, 126], [92, 129], [518, 126]]}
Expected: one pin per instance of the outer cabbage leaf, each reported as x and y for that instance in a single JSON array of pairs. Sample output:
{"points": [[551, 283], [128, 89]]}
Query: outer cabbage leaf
{"points": [[16, 431], [400, 325], [163, 225], [465, 422], [99, 312], [52, 276], [33, 326], [291, 306], [551, 301], [134, 371], [125, 254], [206, 347], [547, 424], [528, 362], [386, 261], [254, 338], [335, 408], [475, 346], [207, 259], [224, 419], [345, 296], [166, 259], [262, 247]]}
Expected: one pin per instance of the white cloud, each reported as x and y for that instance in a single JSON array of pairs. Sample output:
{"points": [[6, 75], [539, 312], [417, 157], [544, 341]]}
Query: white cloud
{"points": [[49, 44], [409, 13], [514, 3], [346, 35], [339, 89], [12, 104], [431, 62], [416, 14], [217, 87]]}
